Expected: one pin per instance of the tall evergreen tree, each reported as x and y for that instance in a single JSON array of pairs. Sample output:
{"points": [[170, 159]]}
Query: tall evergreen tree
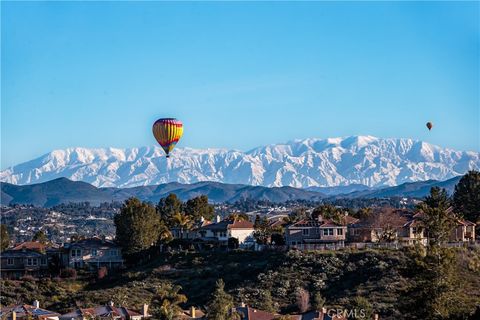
{"points": [[40, 236], [265, 302], [466, 198], [221, 304], [434, 293], [4, 237], [168, 207], [437, 219], [199, 207], [137, 226]]}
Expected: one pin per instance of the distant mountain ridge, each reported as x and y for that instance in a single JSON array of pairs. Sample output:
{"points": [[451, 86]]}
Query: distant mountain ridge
{"points": [[63, 190], [334, 162]]}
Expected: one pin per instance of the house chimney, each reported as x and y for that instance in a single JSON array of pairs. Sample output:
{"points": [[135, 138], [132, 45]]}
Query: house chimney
{"points": [[375, 316], [192, 311], [145, 310], [217, 218], [36, 304], [111, 304], [14, 315], [202, 219], [242, 304], [324, 310]]}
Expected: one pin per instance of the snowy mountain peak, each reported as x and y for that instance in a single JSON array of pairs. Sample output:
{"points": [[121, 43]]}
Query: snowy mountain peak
{"points": [[304, 163]]}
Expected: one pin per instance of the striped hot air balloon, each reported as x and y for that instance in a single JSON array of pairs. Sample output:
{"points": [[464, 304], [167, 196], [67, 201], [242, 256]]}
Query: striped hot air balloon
{"points": [[167, 132]]}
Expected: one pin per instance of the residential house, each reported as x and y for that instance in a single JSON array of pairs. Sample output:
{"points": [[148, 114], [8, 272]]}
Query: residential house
{"points": [[318, 233], [92, 254], [27, 312], [464, 231], [27, 258], [191, 314], [403, 226], [221, 231], [191, 233], [385, 224], [248, 313], [108, 311]]}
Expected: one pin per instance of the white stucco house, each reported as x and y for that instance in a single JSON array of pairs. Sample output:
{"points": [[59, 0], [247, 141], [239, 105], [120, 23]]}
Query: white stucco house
{"points": [[222, 230]]}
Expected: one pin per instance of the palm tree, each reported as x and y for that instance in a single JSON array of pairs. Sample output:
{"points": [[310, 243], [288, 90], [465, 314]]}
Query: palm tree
{"points": [[183, 221], [167, 300]]}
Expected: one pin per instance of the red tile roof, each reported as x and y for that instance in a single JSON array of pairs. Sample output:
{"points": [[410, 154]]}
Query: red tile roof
{"points": [[31, 245]]}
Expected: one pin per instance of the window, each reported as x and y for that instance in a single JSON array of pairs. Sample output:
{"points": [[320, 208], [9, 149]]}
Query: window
{"points": [[35, 262], [72, 253], [32, 262], [10, 261], [305, 232], [340, 232], [328, 232], [43, 262]]}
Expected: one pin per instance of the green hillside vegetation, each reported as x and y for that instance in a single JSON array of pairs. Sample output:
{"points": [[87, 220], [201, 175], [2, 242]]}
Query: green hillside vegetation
{"points": [[261, 279]]}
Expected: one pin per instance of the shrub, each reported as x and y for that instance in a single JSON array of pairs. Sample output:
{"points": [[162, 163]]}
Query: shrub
{"points": [[68, 273]]}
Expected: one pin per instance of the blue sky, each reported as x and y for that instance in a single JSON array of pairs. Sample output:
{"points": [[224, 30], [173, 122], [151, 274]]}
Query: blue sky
{"points": [[237, 74]]}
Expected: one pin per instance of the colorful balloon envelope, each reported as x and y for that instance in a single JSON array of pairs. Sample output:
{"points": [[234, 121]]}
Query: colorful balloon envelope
{"points": [[429, 125], [167, 132]]}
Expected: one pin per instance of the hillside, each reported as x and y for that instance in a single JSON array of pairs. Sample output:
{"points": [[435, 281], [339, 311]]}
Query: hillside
{"points": [[63, 190], [382, 276], [356, 160]]}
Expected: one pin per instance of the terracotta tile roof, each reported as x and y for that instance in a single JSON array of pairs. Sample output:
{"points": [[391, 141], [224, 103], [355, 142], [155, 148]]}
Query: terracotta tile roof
{"points": [[31, 245], [240, 225], [254, 314]]}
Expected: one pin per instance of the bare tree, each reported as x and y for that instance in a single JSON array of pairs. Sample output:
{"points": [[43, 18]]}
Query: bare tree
{"points": [[303, 300], [385, 223]]}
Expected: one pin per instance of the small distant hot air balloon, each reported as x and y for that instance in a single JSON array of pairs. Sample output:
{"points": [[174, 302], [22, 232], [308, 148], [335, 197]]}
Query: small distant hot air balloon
{"points": [[429, 125], [167, 132]]}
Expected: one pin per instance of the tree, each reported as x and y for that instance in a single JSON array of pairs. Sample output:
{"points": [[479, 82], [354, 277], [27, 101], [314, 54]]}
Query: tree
{"points": [[199, 207], [168, 207], [436, 217], [182, 221], [302, 297], [4, 237], [436, 286], [265, 302], [40, 236], [137, 226], [221, 304], [362, 308], [385, 223], [296, 215], [364, 213], [466, 198], [278, 239], [238, 216], [327, 211], [166, 301], [318, 301], [263, 231]]}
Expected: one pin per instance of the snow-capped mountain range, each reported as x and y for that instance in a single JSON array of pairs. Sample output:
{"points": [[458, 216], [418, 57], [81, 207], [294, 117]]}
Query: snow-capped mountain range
{"points": [[367, 160]]}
